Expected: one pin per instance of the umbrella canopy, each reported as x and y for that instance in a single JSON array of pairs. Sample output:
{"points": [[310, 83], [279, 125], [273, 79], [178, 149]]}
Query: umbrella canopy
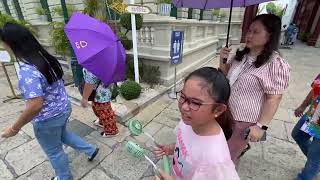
{"points": [[96, 47], [209, 4]]}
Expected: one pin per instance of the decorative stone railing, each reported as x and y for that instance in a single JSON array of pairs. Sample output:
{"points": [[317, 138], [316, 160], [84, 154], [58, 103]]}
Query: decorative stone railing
{"points": [[202, 40]]}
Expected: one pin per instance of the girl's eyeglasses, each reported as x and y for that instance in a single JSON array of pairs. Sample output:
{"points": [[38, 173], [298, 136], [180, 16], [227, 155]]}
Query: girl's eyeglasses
{"points": [[194, 105]]}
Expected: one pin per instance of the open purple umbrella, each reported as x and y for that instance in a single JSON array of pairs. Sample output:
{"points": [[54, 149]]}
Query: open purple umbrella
{"points": [[96, 47], [209, 4]]}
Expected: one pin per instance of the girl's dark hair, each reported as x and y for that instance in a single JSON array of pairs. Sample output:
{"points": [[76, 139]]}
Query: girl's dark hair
{"points": [[27, 49], [219, 89], [272, 24]]}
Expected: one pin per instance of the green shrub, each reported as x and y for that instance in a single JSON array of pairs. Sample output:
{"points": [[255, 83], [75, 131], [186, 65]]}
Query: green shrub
{"points": [[130, 90], [277, 10], [305, 36], [164, 1], [41, 11], [114, 91], [125, 21], [151, 75], [127, 44], [90, 7], [5, 18], [59, 39], [216, 12], [222, 14], [130, 68], [58, 10]]}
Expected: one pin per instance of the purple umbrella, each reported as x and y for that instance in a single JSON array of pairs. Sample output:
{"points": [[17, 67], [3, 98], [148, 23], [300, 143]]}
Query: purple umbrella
{"points": [[209, 4], [96, 47]]}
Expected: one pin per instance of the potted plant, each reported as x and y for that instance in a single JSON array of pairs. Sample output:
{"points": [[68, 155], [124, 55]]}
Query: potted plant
{"points": [[42, 13], [223, 16], [215, 14], [164, 7], [196, 14], [207, 15], [182, 13]]}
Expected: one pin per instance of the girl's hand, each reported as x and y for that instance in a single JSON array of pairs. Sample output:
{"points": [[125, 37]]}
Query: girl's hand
{"points": [[224, 53], [162, 150], [255, 134], [299, 111], [9, 132], [163, 176]]}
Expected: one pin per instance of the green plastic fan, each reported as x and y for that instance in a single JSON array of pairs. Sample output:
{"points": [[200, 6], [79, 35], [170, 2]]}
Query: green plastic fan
{"points": [[136, 129], [136, 151]]}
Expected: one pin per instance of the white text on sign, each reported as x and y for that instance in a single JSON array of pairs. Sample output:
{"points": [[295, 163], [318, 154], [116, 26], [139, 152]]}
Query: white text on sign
{"points": [[133, 9]]}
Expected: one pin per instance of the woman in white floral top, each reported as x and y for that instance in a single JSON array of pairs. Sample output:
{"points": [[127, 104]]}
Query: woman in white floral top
{"points": [[101, 105]]}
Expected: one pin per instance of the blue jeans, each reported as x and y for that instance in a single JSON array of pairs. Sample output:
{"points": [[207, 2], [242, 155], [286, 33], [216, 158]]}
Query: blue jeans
{"points": [[52, 134], [310, 148]]}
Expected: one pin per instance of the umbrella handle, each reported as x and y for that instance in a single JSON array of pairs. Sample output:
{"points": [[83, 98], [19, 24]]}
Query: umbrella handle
{"points": [[228, 33]]}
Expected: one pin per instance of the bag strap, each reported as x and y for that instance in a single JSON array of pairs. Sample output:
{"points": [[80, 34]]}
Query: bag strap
{"points": [[99, 82]]}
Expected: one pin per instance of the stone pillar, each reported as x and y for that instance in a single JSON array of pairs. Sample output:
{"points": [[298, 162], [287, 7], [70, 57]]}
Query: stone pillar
{"points": [[28, 8], [306, 18], [298, 12], [182, 13], [318, 42], [196, 14], [249, 15], [12, 9], [316, 33]]}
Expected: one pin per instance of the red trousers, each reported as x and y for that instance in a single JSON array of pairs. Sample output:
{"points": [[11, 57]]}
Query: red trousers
{"points": [[106, 116]]}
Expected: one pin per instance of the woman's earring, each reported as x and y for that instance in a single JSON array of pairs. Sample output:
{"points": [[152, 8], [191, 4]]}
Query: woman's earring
{"points": [[216, 115]]}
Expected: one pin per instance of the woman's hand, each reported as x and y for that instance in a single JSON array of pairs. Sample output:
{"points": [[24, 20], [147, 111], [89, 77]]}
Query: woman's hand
{"points": [[163, 150], [9, 132], [299, 111], [255, 134], [163, 176], [224, 53]]}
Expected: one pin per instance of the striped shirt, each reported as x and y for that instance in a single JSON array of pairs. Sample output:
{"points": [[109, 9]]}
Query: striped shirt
{"points": [[251, 84]]}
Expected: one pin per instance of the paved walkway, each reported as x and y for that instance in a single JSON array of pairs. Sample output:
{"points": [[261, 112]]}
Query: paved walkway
{"points": [[276, 159]]}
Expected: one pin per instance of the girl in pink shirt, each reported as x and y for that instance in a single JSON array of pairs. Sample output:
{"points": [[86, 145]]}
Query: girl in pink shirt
{"points": [[201, 150]]}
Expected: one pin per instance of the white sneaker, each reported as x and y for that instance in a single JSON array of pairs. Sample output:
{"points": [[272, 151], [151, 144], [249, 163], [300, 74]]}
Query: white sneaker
{"points": [[97, 123], [108, 136]]}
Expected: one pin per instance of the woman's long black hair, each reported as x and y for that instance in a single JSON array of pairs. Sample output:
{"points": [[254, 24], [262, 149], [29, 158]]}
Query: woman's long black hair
{"points": [[27, 49], [219, 89], [272, 24]]}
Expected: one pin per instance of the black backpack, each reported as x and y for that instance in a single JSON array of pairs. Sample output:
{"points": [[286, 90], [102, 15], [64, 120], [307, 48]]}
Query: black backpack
{"points": [[93, 93]]}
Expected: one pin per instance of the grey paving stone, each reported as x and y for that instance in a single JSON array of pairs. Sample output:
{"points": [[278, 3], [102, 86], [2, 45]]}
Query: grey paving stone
{"points": [[79, 163], [283, 154], [41, 172], [96, 174], [123, 166], [8, 144], [79, 128], [5, 174], [277, 129], [252, 168], [25, 157]]}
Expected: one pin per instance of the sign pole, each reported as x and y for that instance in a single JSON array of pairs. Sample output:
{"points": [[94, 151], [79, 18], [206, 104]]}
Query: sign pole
{"points": [[176, 54], [134, 44], [175, 81]]}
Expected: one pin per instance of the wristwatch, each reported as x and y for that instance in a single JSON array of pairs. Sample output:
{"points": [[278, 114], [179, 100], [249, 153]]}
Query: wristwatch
{"points": [[263, 127]]}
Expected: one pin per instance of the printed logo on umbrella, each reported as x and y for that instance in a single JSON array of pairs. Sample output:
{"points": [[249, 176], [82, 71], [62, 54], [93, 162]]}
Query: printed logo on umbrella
{"points": [[81, 44]]}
